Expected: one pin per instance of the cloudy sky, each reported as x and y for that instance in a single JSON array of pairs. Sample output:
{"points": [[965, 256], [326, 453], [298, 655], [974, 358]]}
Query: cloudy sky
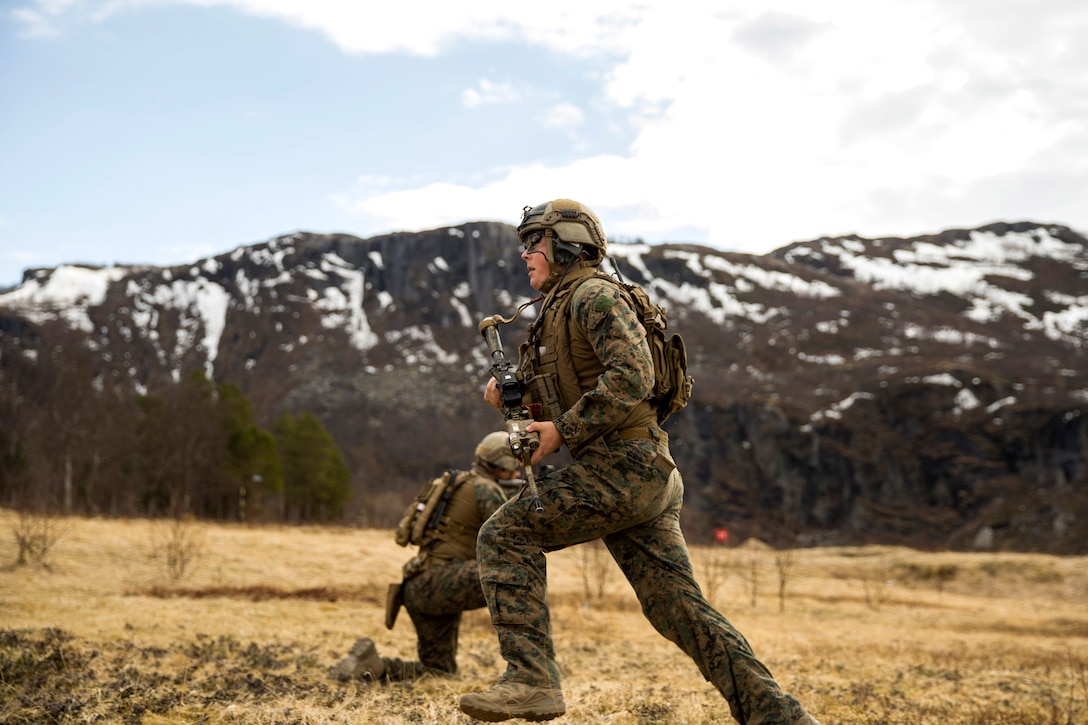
{"points": [[162, 131]]}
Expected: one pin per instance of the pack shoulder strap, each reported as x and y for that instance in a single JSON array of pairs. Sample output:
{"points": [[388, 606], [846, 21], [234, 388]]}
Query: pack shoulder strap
{"points": [[422, 510]]}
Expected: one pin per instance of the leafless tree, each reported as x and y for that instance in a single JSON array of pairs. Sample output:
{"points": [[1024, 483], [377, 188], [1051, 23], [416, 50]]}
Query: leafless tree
{"points": [[713, 562], [783, 563], [596, 567], [749, 570]]}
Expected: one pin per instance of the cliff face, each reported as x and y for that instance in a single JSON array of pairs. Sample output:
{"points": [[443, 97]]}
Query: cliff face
{"points": [[929, 391]]}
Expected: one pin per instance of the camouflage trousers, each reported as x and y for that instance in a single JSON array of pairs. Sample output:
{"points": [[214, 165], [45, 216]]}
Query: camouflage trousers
{"points": [[629, 494], [435, 599]]}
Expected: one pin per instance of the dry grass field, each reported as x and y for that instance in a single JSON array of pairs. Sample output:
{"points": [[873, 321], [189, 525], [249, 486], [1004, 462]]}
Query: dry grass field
{"points": [[135, 621]]}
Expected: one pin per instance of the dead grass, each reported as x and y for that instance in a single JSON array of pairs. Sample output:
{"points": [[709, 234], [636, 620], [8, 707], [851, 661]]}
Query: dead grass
{"points": [[107, 633]]}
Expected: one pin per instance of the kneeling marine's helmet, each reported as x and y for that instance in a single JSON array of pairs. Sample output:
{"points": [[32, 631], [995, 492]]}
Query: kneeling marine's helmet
{"points": [[565, 222], [494, 450]]}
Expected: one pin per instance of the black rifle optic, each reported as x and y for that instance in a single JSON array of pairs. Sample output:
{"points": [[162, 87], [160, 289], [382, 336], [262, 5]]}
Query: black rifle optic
{"points": [[516, 414]]}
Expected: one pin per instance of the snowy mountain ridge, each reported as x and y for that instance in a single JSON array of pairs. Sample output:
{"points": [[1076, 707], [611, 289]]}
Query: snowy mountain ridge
{"points": [[955, 335]]}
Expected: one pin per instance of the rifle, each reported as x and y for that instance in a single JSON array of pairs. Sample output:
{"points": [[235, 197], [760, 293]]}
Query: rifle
{"points": [[516, 414], [513, 485]]}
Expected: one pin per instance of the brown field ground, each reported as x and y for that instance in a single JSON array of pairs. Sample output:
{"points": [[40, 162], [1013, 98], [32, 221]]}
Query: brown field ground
{"points": [[134, 621]]}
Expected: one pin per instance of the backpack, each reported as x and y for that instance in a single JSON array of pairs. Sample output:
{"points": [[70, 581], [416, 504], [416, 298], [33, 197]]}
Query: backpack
{"points": [[672, 384], [427, 509]]}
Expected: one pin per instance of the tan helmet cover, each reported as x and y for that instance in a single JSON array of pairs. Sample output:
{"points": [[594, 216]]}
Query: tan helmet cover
{"points": [[494, 450], [567, 220]]}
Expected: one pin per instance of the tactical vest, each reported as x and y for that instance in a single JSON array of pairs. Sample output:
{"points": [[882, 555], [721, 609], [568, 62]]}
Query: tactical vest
{"points": [[455, 535], [444, 517], [559, 365]]}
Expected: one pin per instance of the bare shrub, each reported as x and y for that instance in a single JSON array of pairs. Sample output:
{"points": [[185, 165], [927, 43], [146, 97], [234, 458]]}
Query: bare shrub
{"points": [[595, 566], [783, 564], [876, 582], [713, 563], [181, 547], [35, 536], [749, 569]]}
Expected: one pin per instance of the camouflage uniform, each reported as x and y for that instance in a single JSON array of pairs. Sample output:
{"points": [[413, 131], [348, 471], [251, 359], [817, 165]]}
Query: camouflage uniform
{"points": [[622, 487], [442, 581]]}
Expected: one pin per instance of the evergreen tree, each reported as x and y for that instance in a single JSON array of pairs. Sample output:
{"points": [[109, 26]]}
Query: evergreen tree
{"points": [[253, 459], [315, 476]]}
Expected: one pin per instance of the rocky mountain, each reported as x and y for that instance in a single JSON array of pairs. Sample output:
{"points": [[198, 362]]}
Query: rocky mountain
{"points": [[929, 391]]}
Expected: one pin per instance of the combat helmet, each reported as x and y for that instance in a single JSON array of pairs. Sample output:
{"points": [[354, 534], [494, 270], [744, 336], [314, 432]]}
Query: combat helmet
{"points": [[568, 225], [494, 450]]}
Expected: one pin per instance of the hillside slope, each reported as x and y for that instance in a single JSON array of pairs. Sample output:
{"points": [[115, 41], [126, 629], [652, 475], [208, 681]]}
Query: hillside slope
{"points": [[928, 391]]}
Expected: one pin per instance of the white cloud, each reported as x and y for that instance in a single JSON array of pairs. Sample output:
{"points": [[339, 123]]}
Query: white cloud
{"points": [[487, 92], [875, 118], [40, 17], [563, 115], [758, 124], [798, 120], [425, 29]]}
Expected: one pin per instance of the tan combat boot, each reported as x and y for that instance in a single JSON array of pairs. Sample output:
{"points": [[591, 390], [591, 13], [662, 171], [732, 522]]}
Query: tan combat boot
{"points": [[362, 663], [508, 700]]}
